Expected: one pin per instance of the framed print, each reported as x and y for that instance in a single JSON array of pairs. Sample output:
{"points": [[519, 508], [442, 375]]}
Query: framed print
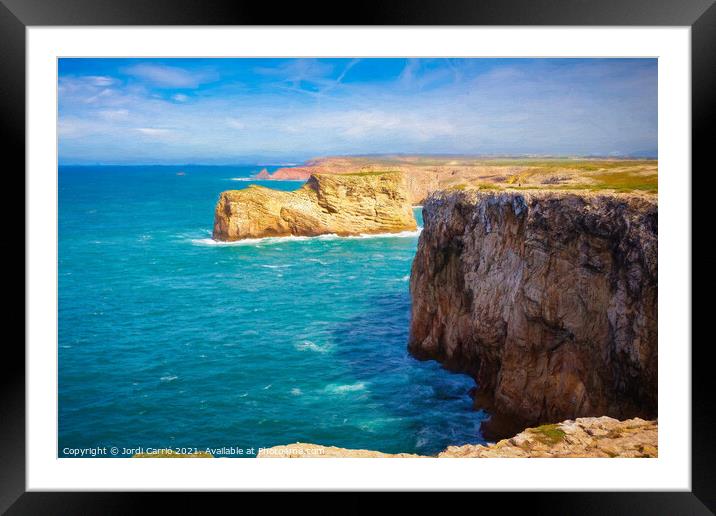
{"points": [[444, 248]]}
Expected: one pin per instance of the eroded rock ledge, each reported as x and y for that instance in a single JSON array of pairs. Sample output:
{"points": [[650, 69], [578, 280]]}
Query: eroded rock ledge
{"points": [[348, 204], [548, 299], [584, 437]]}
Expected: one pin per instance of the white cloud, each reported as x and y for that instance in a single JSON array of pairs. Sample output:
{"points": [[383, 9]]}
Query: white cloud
{"points": [[390, 122], [180, 97], [114, 114], [154, 131], [101, 80], [169, 76], [235, 123], [102, 93]]}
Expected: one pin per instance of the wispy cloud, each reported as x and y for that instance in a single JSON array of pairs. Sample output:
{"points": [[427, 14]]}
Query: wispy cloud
{"points": [[101, 80], [114, 115], [169, 76], [235, 123], [155, 132], [296, 71]]}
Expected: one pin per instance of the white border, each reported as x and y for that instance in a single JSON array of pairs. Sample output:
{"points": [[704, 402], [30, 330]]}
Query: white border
{"points": [[670, 471]]}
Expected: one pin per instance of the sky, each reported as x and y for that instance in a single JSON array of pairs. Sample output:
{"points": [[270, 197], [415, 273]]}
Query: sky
{"points": [[280, 111]]}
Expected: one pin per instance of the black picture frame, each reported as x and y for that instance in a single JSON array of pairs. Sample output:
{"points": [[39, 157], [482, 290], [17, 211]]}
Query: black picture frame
{"points": [[16, 15]]}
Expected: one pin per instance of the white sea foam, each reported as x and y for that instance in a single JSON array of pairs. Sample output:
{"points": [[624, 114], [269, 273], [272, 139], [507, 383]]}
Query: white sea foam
{"points": [[277, 266], [265, 179], [401, 234], [405, 278], [292, 238], [296, 392], [316, 260], [169, 378], [307, 345], [247, 241], [342, 389]]}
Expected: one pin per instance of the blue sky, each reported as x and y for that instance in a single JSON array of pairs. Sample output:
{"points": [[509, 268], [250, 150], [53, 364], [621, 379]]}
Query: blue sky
{"points": [[241, 111]]}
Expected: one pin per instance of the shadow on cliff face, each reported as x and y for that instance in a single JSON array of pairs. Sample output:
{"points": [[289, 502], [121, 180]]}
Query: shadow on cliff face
{"points": [[433, 405]]}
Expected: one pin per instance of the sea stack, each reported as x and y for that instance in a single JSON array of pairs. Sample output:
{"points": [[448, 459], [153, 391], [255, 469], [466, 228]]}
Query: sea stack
{"points": [[548, 299], [345, 204]]}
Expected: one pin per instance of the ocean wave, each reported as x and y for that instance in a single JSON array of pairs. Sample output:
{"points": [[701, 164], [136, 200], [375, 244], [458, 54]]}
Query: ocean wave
{"points": [[307, 345], [293, 238], [249, 179], [342, 389], [169, 378], [401, 234]]}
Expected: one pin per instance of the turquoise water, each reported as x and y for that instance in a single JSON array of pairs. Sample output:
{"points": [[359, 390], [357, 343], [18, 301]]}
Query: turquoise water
{"points": [[167, 339]]}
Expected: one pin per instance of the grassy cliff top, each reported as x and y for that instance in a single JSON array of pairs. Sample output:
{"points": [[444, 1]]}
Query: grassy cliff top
{"points": [[527, 173]]}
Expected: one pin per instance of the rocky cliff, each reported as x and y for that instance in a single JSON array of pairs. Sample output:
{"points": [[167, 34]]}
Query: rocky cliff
{"points": [[584, 437], [419, 183], [346, 204], [548, 299]]}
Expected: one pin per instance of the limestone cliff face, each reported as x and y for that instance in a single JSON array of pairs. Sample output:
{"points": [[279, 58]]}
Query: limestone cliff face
{"points": [[347, 204], [419, 182], [548, 299]]}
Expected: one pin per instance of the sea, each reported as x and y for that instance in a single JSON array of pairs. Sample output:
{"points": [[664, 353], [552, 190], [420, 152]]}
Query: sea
{"points": [[169, 339]]}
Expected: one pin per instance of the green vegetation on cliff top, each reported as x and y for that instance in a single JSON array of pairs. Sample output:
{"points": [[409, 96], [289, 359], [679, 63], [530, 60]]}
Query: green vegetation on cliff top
{"points": [[495, 173], [548, 434]]}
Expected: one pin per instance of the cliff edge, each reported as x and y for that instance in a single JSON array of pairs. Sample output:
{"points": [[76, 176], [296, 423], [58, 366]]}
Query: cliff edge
{"points": [[347, 204], [548, 299], [584, 437]]}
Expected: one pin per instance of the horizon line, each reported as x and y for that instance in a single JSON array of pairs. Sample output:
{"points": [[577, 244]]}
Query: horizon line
{"points": [[294, 163]]}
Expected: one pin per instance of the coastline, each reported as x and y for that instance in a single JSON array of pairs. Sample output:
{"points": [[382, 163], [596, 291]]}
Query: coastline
{"points": [[226, 258]]}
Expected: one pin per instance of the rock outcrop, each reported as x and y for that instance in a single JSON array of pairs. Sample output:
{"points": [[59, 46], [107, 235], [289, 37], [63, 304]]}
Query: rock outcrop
{"points": [[264, 174], [548, 299], [419, 182], [346, 204], [308, 451], [584, 437]]}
